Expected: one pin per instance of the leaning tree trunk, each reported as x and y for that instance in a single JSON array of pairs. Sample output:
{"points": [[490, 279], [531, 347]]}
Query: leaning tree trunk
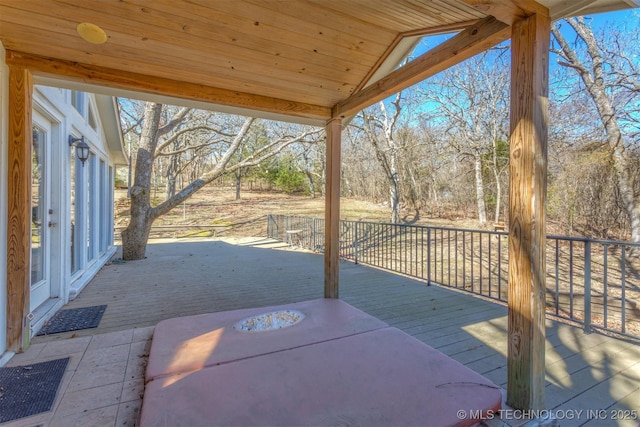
{"points": [[135, 236], [593, 76]]}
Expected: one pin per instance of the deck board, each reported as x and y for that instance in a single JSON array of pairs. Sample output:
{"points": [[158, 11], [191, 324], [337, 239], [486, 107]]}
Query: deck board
{"points": [[181, 278]]}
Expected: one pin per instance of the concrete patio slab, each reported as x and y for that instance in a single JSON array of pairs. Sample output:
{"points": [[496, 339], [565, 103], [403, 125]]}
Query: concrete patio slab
{"points": [[194, 342], [103, 383], [310, 377]]}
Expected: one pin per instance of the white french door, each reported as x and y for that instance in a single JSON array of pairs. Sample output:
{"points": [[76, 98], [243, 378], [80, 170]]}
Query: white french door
{"points": [[40, 212]]}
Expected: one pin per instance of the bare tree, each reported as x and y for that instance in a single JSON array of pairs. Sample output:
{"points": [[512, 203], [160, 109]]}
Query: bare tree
{"points": [[311, 164], [470, 103], [380, 128], [255, 139], [143, 214], [611, 80], [364, 178]]}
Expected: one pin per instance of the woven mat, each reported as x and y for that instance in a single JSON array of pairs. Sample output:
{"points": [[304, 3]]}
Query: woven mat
{"points": [[74, 319], [30, 389]]}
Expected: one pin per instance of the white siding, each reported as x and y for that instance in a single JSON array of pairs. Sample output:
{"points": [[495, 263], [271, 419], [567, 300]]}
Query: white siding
{"points": [[54, 106]]}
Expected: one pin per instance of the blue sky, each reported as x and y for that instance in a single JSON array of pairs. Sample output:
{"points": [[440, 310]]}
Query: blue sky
{"points": [[628, 19]]}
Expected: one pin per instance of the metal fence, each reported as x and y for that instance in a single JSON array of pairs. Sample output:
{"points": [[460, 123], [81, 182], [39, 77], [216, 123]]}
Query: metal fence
{"points": [[593, 282]]}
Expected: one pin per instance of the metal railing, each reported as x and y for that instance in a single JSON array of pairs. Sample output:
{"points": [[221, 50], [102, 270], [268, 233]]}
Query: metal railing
{"points": [[592, 282]]}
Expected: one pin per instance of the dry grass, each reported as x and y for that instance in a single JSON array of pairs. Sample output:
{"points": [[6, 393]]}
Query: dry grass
{"points": [[247, 217]]}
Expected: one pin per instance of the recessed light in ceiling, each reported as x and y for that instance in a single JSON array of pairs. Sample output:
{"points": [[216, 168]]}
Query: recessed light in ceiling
{"points": [[91, 33]]}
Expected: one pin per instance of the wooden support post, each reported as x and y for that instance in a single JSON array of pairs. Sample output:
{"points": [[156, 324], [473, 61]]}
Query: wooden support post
{"points": [[19, 208], [527, 193], [332, 209]]}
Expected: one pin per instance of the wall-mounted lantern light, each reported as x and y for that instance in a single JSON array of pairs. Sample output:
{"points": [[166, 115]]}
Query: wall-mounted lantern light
{"points": [[82, 148]]}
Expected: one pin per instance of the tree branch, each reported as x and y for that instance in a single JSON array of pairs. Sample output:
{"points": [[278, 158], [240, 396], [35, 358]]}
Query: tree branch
{"points": [[175, 121]]}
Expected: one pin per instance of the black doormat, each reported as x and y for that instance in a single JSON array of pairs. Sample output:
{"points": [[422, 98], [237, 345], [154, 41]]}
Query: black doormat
{"points": [[29, 390], [74, 319]]}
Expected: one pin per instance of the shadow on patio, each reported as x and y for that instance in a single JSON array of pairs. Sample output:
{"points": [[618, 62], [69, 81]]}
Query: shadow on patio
{"points": [[180, 278]]}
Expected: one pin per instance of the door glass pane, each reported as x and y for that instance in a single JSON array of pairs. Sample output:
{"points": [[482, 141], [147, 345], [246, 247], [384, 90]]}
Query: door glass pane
{"points": [[104, 209], [37, 206], [75, 214], [110, 196], [92, 190]]}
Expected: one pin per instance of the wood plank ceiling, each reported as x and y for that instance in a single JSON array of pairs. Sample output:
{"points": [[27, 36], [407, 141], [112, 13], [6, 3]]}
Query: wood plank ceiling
{"points": [[314, 52], [304, 55]]}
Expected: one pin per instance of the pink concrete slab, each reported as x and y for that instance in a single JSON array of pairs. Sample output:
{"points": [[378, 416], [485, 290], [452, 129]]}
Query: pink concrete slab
{"points": [[188, 343], [379, 378]]}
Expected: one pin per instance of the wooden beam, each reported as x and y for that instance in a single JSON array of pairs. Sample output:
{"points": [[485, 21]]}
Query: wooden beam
{"points": [[382, 62], [475, 39], [527, 194], [19, 208], [509, 11], [332, 210], [108, 77], [440, 29]]}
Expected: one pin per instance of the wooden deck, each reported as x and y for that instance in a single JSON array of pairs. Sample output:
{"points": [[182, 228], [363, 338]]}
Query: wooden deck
{"points": [[584, 372]]}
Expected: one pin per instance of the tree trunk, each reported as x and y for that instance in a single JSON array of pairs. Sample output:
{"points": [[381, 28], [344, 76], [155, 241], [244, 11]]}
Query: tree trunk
{"points": [[172, 171], [593, 78], [171, 178], [312, 190], [434, 189], [386, 149], [416, 190], [496, 177], [170, 186], [482, 210], [134, 237], [498, 199], [238, 184], [394, 198]]}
